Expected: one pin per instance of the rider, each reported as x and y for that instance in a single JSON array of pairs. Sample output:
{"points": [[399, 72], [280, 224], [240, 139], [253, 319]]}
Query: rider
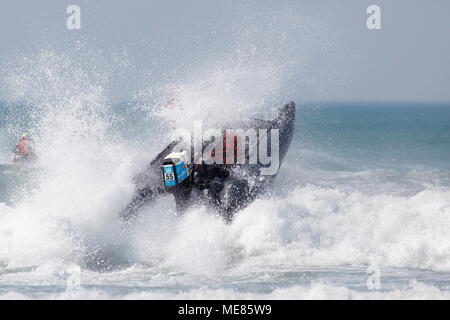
{"points": [[205, 176], [24, 149]]}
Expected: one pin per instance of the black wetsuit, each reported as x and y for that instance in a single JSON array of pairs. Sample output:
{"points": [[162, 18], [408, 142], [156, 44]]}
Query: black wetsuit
{"points": [[207, 176]]}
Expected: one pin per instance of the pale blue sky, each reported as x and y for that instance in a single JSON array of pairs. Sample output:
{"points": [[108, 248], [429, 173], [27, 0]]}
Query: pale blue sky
{"points": [[325, 45]]}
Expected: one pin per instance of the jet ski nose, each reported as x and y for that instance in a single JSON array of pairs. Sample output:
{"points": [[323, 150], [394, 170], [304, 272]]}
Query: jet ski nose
{"points": [[286, 113]]}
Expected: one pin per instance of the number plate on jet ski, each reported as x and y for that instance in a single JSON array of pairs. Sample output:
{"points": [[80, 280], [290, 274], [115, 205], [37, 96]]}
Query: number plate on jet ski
{"points": [[169, 176]]}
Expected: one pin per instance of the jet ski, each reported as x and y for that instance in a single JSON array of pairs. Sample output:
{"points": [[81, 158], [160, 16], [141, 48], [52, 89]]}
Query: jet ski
{"points": [[227, 181]]}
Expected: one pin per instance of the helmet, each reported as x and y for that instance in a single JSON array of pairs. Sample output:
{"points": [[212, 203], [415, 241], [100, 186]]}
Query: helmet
{"points": [[24, 136]]}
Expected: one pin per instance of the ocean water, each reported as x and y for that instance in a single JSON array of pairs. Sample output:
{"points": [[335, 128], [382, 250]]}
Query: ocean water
{"points": [[360, 208]]}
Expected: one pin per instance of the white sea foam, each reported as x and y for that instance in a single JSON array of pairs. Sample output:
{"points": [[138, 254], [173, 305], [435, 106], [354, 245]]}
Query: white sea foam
{"points": [[316, 290]]}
